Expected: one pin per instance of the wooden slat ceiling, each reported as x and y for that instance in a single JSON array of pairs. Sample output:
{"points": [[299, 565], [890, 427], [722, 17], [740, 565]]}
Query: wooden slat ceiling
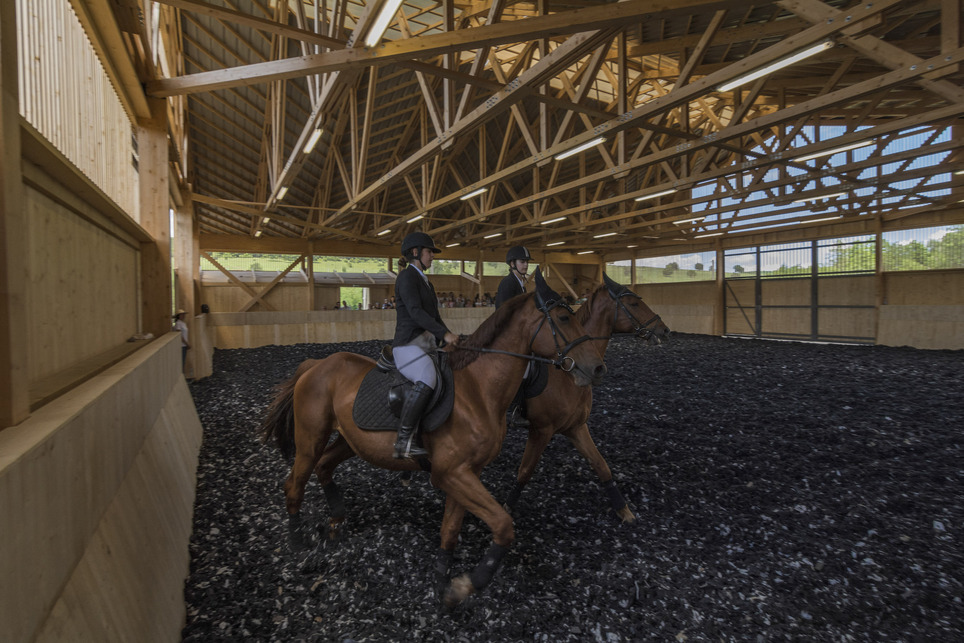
{"points": [[466, 95]]}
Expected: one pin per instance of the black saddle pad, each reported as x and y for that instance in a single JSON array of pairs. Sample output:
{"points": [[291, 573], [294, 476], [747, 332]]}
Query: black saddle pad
{"points": [[538, 378], [371, 411]]}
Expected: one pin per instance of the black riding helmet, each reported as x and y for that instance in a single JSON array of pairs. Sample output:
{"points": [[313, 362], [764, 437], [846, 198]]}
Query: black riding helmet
{"points": [[517, 253], [417, 240]]}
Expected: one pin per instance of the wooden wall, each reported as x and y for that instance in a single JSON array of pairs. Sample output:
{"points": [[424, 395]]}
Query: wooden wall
{"points": [[684, 308], [96, 493], [923, 309], [83, 275], [250, 330]]}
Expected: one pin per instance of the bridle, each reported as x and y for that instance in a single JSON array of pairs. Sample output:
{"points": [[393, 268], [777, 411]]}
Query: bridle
{"points": [[562, 360], [562, 352], [643, 330]]}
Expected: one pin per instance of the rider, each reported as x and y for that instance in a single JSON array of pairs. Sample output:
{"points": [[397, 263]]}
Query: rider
{"points": [[511, 285], [418, 329]]}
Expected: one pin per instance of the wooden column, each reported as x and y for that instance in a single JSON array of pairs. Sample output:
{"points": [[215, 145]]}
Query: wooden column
{"points": [[14, 398], [156, 296], [185, 259]]}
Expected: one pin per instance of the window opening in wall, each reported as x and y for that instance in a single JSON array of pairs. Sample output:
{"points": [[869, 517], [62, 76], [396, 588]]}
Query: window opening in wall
{"points": [[691, 266], [356, 297], [935, 248], [620, 271]]}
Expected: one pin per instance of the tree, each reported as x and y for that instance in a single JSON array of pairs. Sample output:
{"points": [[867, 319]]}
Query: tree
{"points": [[670, 268], [698, 266], [738, 269]]}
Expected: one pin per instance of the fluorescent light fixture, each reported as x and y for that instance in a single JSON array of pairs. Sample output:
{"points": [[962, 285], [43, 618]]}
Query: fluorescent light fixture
{"points": [[844, 148], [556, 220], [257, 233], [632, 246], [606, 234], [313, 141], [383, 232], [555, 243], [282, 192], [385, 16], [772, 67], [416, 218], [959, 172], [647, 197], [265, 220], [451, 245], [466, 197], [712, 234], [580, 148], [693, 220], [493, 235], [839, 216], [817, 198], [585, 252]]}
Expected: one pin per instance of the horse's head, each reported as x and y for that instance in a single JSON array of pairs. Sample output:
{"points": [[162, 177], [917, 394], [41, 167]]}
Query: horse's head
{"points": [[632, 315], [560, 336]]}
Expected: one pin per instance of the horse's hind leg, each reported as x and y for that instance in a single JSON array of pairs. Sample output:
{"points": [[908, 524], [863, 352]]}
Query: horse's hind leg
{"points": [[312, 431], [336, 453], [535, 446], [581, 439]]}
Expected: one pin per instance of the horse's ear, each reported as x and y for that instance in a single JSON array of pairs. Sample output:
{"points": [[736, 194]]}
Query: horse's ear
{"points": [[612, 286], [546, 297]]}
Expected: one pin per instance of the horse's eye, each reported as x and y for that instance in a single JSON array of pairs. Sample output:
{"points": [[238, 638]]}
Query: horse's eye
{"points": [[564, 318]]}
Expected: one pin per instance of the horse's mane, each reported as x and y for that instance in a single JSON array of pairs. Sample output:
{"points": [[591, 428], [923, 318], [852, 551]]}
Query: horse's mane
{"points": [[487, 333], [585, 311]]}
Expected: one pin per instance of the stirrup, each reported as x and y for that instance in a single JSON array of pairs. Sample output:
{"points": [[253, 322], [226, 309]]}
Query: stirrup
{"points": [[408, 449], [517, 419]]}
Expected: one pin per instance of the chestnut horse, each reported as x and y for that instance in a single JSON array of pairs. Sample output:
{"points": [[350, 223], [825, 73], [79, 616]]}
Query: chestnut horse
{"points": [[563, 409], [488, 368]]}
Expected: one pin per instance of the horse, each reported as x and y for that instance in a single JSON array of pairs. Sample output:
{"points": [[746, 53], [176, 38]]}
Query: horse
{"points": [[488, 367], [563, 409]]}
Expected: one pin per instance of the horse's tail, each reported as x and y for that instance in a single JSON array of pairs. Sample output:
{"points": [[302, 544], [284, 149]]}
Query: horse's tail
{"points": [[279, 423]]}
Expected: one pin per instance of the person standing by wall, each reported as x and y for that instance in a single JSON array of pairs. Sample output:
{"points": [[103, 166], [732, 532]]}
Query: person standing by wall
{"points": [[181, 326]]}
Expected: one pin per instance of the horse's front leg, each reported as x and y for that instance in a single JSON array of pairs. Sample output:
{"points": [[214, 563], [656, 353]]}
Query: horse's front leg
{"points": [[581, 439], [449, 538], [336, 453], [535, 446], [464, 488]]}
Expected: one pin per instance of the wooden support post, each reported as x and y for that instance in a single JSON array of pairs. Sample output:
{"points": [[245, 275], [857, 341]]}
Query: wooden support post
{"points": [[719, 309], [156, 296], [14, 398], [310, 271]]}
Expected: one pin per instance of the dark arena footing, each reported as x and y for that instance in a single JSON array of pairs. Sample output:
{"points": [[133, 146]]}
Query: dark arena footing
{"points": [[783, 491]]}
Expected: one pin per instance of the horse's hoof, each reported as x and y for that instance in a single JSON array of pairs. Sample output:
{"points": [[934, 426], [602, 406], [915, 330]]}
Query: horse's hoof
{"points": [[459, 589], [626, 515], [336, 531]]}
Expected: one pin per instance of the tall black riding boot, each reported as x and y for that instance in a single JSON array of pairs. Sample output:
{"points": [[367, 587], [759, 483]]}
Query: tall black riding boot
{"points": [[415, 403]]}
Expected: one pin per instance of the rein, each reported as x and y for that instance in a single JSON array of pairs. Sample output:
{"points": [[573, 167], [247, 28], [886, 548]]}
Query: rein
{"points": [[563, 360], [641, 330]]}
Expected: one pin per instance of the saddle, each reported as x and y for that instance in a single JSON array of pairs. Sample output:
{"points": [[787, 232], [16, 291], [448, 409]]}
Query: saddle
{"points": [[379, 401]]}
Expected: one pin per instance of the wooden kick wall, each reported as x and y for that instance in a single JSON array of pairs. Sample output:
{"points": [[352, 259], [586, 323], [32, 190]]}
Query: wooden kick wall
{"points": [[96, 493], [75, 316]]}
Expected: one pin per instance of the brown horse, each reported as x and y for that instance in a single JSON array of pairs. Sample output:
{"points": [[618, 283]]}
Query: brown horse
{"points": [[564, 409], [488, 368]]}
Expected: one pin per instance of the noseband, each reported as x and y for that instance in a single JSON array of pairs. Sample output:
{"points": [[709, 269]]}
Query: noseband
{"points": [[641, 330], [563, 360]]}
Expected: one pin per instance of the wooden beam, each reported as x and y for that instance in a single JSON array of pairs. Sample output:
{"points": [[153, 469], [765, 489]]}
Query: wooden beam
{"points": [[155, 218], [564, 22], [237, 282], [259, 296], [14, 277]]}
